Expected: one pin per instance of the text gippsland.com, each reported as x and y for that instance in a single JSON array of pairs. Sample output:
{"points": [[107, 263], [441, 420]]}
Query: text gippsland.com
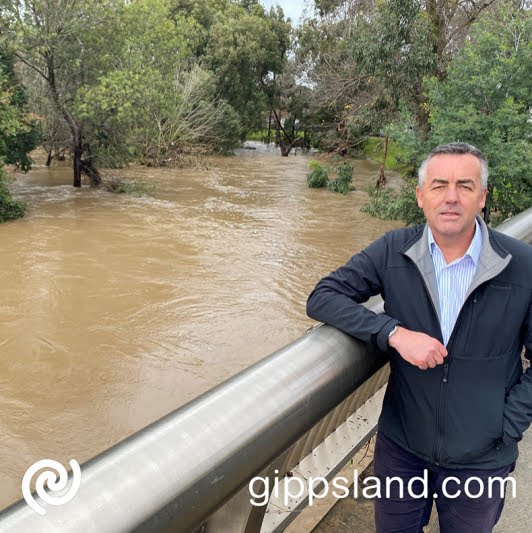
{"points": [[293, 487]]}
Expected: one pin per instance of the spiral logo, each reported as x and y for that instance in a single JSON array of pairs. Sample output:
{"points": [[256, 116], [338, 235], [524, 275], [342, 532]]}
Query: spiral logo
{"points": [[53, 482]]}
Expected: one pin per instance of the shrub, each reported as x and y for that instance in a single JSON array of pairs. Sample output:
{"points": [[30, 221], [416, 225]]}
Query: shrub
{"points": [[342, 183], [318, 175], [388, 204], [9, 208]]}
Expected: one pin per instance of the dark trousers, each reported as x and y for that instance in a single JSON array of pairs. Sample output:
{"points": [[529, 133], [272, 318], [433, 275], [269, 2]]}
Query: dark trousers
{"points": [[407, 513]]}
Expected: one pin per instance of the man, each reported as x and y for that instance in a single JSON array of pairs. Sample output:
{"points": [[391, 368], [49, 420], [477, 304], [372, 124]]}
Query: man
{"points": [[457, 314]]}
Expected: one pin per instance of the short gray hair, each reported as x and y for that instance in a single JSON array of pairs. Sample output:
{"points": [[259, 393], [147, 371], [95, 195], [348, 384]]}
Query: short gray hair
{"points": [[457, 148]]}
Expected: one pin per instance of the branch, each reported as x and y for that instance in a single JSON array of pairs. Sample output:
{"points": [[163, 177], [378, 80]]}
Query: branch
{"points": [[31, 65], [280, 125]]}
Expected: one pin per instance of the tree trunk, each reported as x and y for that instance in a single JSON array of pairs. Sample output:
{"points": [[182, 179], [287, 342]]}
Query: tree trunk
{"points": [[78, 153], [347, 140], [279, 140], [381, 182], [87, 166], [285, 150], [49, 159], [294, 127], [74, 128], [269, 126]]}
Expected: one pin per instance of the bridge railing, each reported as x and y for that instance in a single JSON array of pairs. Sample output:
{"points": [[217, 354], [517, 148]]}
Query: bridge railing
{"points": [[304, 411]]}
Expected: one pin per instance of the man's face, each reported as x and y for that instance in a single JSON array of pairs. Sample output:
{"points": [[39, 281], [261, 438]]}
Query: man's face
{"points": [[451, 195]]}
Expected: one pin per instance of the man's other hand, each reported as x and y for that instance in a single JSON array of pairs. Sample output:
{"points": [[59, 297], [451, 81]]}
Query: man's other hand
{"points": [[417, 348]]}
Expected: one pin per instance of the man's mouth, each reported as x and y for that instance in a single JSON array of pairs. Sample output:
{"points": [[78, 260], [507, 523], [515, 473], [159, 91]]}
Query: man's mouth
{"points": [[450, 214]]}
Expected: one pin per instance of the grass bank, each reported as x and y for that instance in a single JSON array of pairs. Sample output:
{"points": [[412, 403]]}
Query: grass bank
{"points": [[259, 135], [374, 149]]}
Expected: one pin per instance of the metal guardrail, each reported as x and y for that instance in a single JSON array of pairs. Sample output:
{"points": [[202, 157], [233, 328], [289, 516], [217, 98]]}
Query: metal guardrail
{"points": [[174, 474]]}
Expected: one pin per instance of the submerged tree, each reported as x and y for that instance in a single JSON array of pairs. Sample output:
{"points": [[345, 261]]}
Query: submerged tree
{"points": [[66, 44]]}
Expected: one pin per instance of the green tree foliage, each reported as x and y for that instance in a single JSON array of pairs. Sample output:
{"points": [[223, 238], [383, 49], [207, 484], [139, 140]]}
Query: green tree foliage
{"points": [[247, 51], [161, 101], [145, 80], [17, 133], [318, 175], [391, 204], [9, 208], [65, 45], [485, 100], [342, 183], [364, 58], [15, 148]]}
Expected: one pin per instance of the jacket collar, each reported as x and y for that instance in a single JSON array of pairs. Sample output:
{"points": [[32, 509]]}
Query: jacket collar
{"points": [[417, 248], [493, 260]]}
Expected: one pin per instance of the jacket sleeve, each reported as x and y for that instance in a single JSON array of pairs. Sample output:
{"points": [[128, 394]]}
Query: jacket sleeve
{"points": [[518, 407], [337, 298]]}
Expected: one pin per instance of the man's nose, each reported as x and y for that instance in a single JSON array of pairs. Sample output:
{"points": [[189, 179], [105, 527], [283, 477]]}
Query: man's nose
{"points": [[451, 195]]}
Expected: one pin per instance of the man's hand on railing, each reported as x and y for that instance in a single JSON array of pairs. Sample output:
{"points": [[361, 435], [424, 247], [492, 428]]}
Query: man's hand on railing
{"points": [[417, 348]]}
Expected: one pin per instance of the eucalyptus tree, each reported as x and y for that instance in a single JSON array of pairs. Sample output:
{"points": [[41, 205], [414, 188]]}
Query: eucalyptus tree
{"points": [[67, 44], [485, 99], [158, 98], [364, 58], [369, 57], [122, 75], [247, 51]]}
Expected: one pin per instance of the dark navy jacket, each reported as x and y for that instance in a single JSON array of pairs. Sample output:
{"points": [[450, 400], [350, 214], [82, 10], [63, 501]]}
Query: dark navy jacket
{"points": [[471, 411]]}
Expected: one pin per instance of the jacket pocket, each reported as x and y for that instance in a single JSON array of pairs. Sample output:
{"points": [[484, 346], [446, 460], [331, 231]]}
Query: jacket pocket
{"points": [[474, 407]]}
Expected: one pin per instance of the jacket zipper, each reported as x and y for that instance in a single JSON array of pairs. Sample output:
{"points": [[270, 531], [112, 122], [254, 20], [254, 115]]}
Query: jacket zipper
{"points": [[441, 414], [443, 388], [438, 446]]}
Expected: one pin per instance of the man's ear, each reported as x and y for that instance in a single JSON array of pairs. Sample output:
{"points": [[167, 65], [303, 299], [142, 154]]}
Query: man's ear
{"points": [[418, 196], [483, 199]]}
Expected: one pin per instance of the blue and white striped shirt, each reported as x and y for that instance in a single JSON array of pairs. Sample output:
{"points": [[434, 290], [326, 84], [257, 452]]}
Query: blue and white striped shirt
{"points": [[454, 279]]}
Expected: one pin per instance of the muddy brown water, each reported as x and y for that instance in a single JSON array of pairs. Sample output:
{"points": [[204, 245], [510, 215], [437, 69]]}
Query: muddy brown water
{"points": [[116, 310]]}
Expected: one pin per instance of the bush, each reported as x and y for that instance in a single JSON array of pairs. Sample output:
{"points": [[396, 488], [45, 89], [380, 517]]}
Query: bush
{"points": [[388, 204], [318, 175], [342, 183], [9, 208]]}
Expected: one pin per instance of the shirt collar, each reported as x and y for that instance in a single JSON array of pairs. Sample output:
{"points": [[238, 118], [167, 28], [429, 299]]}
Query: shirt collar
{"points": [[474, 249]]}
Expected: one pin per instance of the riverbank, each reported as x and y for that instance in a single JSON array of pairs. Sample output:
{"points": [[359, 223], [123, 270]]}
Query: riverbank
{"points": [[374, 149]]}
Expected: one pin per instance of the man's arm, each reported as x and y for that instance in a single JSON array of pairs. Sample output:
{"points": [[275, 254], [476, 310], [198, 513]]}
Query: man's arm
{"points": [[337, 300], [518, 406]]}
